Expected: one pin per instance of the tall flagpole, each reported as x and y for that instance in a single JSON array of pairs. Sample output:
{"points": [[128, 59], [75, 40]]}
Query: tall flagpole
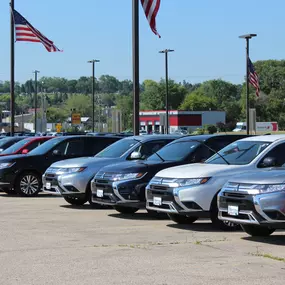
{"points": [[136, 83], [12, 74]]}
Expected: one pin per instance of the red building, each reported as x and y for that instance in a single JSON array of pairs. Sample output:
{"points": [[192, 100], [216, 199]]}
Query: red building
{"points": [[150, 121]]}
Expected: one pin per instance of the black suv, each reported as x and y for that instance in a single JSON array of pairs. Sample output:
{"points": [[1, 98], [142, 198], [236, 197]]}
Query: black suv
{"points": [[23, 174], [123, 185]]}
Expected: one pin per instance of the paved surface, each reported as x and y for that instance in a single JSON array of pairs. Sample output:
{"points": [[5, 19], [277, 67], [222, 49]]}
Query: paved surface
{"points": [[44, 241]]}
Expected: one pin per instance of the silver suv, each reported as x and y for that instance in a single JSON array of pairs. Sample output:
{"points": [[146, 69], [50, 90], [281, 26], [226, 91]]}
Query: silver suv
{"points": [[256, 201], [71, 178]]}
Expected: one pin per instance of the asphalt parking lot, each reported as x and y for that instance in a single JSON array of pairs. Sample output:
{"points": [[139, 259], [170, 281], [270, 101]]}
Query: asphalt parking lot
{"points": [[45, 241]]}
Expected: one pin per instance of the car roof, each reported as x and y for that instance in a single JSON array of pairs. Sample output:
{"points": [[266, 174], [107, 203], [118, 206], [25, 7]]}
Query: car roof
{"points": [[153, 137], [38, 138], [265, 138], [206, 137]]}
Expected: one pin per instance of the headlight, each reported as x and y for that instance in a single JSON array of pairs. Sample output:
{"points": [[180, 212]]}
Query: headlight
{"points": [[126, 176], [69, 170], [260, 189], [6, 164], [190, 181]]}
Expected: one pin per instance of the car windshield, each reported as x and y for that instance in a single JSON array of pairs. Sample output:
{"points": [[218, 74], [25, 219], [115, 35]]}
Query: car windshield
{"points": [[175, 151], [6, 140], [13, 148], [117, 149], [45, 147], [239, 152]]}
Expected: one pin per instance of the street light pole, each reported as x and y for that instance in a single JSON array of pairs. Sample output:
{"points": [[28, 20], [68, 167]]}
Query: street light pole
{"points": [[93, 91], [166, 51], [247, 38], [36, 95]]}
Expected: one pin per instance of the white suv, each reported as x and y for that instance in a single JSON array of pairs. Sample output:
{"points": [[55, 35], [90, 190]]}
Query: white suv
{"points": [[189, 192]]}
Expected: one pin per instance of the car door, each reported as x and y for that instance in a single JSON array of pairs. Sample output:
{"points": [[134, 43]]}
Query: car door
{"points": [[278, 152]]}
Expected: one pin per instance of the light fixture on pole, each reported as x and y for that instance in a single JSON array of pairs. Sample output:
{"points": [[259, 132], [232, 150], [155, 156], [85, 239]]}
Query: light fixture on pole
{"points": [[93, 91], [247, 38], [166, 51]]}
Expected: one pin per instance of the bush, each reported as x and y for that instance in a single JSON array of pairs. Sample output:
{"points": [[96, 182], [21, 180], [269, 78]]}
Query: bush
{"points": [[212, 129], [198, 131]]}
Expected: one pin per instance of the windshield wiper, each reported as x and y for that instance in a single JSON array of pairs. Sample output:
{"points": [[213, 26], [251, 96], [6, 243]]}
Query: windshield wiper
{"points": [[245, 151]]}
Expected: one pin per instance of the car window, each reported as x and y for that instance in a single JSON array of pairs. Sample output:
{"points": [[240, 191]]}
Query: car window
{"points": [[32, 145], [74, 148], [239, 152], [278, 153], [147, 149], [13, 148]]}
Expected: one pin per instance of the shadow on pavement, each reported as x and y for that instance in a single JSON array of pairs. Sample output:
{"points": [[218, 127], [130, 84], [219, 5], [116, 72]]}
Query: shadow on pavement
{"points": [[85, 207], [139, 216], [274, 239], [198, 227], [36, 197]]}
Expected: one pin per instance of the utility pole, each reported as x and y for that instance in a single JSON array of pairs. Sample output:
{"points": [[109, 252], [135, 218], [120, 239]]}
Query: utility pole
{"points": [[12, 70], [247, 38], [136, 82], [166, 51], [36, 95], [93, 92]]}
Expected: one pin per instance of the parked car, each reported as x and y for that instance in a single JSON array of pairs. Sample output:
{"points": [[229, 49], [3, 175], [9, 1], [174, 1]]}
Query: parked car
{"points": [[23, 173], [75, 186], [24, 146], [8, 141], [255, 201], [123, 185], [189, 192]]}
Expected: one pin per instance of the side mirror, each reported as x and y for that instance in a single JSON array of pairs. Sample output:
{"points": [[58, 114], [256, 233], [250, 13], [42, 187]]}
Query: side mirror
{"points": [[269, 162], [136, 155], [56, 152], [25, 151]]}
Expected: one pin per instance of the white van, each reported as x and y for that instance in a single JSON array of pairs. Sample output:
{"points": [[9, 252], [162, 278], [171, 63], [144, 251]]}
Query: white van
{"points": [[260, 127]]}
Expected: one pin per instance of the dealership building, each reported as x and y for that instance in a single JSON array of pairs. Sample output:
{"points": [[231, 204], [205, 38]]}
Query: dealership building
{"points": [[153, 121]]}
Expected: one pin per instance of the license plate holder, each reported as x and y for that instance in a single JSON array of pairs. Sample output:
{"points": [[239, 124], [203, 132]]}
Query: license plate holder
{"points": [[233, 210], [48, 185], [99, 193], [157, 201]]}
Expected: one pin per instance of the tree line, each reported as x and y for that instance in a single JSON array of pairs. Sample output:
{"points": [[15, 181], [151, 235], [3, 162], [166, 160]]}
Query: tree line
{"points": [[63, 94]]}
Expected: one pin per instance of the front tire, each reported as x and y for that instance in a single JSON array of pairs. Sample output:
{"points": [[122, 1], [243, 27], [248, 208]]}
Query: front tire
{"points": [[257, 231], [125, 210], [28, 184], [181, 219], [75, 201]]}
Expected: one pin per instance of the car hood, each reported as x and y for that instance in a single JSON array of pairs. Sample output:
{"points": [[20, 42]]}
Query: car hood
{"points": [[266, 176], [84, 162], [138, 166], [197, 170], [13, 157]]}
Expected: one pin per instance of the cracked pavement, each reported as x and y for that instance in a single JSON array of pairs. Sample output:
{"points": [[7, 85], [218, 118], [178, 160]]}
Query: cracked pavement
{"points": [[46, 241]]}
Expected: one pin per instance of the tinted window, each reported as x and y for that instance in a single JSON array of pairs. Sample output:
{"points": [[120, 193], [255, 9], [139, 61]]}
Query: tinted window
{"points": [[147, 149], [118, 148], [239, 152], [47, 146], [176, 151], [278, 153], [13, 148], [74, 148], [95, 145]]}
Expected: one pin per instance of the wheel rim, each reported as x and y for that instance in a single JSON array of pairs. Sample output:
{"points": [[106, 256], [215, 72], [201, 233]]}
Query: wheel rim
{"points": [[29, 184]]}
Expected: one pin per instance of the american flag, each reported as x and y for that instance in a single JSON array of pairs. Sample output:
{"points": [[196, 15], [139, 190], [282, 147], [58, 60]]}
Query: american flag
{"points": [[253, 78], [25, 32], [151, 8]]}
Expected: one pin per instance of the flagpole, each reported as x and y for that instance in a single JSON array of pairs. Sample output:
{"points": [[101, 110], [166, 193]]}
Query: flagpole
{"points": [[12, 70], [136, 83]]}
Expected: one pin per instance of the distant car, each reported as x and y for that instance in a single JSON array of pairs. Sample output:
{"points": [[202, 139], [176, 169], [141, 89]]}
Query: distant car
{"points": [[23, 173], [8, 141], [24, 146], [51, 134], [142, 133]]}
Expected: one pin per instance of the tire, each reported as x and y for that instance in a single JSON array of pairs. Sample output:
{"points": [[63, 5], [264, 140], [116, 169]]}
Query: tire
{"points": [[257, 231], [125, 210], [226, 226], [181, 219], [75, 201], [28, 184]]}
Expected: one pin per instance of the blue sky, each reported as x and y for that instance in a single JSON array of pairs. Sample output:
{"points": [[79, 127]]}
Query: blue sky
{"points": [[204, 35]]}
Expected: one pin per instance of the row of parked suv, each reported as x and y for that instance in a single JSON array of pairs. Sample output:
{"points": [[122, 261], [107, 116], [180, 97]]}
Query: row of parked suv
{"points": [[232, 179]]}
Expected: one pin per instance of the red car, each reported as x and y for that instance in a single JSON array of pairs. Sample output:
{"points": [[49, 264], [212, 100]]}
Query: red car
{"points": [[25, 145]]}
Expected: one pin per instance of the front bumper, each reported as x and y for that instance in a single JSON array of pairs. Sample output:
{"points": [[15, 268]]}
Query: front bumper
{"points": [[128, 193], [74, 184], [262, 209], [184, 200]]}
